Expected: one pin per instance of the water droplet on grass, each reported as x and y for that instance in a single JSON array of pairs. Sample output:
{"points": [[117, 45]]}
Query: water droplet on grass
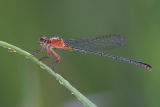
{"points": [[41, 66], [60, 82]]}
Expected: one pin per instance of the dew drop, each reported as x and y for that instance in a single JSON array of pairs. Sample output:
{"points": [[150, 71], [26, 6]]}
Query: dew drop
{"points": [[60, 82], [41, 66]]}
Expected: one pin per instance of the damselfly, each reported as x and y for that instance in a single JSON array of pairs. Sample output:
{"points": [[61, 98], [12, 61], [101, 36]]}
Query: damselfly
{"points": [[87, 45]]}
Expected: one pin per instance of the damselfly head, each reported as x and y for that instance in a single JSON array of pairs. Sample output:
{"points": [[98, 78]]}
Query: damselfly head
{"points": [[43, 39]]}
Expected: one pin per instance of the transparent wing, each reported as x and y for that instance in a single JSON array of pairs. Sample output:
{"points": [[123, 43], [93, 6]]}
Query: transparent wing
{"points": [[101, 43]]}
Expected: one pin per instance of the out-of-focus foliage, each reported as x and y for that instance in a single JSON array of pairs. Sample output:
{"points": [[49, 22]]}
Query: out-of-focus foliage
{"points": [[107, 82]]}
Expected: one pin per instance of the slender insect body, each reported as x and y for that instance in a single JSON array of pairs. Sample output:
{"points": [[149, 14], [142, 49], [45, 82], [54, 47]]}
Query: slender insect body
{"points": [[86, 45], [146, 66]]}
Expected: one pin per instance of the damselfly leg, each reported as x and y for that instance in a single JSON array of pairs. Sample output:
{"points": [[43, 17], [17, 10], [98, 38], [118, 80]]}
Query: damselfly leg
{"points": [[49, 50]]}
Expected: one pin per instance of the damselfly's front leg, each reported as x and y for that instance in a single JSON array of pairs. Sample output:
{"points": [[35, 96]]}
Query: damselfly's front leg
{"points": [[40, 50], [48, 55]]}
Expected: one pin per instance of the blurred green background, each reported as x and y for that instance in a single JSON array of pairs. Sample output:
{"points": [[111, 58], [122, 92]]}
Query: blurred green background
{"points": [[107, 82]]}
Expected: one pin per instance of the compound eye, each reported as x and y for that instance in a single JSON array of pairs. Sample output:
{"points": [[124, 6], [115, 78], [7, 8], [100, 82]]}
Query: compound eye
{"points": [[43, 39]]}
